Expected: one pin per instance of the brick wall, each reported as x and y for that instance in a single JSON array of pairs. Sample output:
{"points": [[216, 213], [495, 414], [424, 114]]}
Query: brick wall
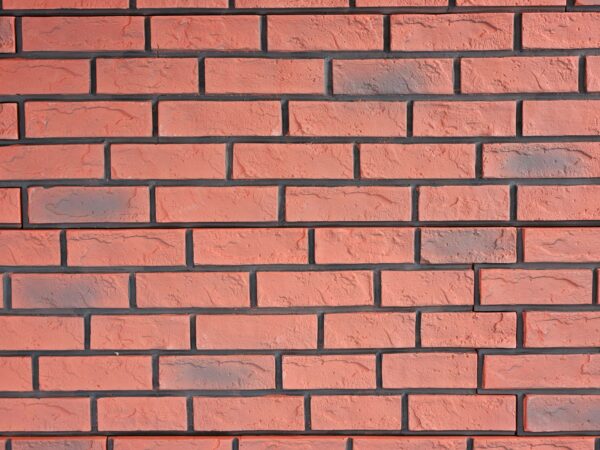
{"points": [[299, 224]]}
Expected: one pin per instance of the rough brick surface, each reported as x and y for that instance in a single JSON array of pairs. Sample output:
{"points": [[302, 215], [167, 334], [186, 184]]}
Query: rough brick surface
{"points": [[299, 224]]}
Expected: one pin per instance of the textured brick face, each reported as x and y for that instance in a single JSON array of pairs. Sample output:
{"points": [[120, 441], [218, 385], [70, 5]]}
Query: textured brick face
{"points": [[299, 224]]}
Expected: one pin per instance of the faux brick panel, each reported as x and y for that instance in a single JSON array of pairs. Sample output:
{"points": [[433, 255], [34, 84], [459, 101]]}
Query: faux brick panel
{"points": [[299, 224]]}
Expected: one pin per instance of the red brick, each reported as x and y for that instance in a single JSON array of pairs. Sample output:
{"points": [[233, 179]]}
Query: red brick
{"points": [[142, 413], [541, 371], [373, 3], [578, 30], [273, 412], [461, 412], [535, 287], [247, 332], [88, 119], [29, 248], [7, 35], [182, 4], [192, 290], [65, 4], [206, 33], [519, 74], [426, 288], [315, 161], [126, 247], [531, 443], [10, 205], [167, 161], [359, 118], [83, 33], [592, 76], [44, 76], [214, 118], [408, 443], [356, 412], [469, 329], [448, 32], [264, 76], [329, 372], [368, 245], [562, 329], [293, 443], [443, 118], [464, 203], [415, 161], [561, 413], [473, 245], [557, 203], [347, 203], [167, 442], [40, 162], [561, 117], [541, 160], [510, 3], [290, 3], [59, 443], [88, 204], [369, 330], [41, 333], [251, 246], [9, 127], [294, 289], [393, 76], [561, 244], [147, 75], [429, 370], [15, 374], [142, 332], [217, 372], [95, 373], [294, 33], [216, 204], [45, 414], [68, 290]]}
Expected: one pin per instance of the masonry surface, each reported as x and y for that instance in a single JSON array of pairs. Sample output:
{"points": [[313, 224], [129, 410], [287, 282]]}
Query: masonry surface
{"points": [[299, 224]]}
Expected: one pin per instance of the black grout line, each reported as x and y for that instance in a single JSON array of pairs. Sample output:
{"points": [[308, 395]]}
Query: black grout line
{"points": [[147, 34], [480, 368], [595, 286], [520, 330], [155, 118], [278, 371], [519, 118], [264, 30], [387, 34], [320, 331], [582, 78], [35, 372], [417, 246], [189, 248], [190, 413], [93, 75], [418, 329], [377, 288], [520, 428], [235, 443], [193, 332], [64, 257], [404, 412], [229, 149], [415, 203], [469, 443], [379, 370], [513, 205], [409, 118], [7, 291], [307, 413], [285, 118], [457, 75], [132, 291], [356, 160], [517, 33], [479, 160], [87, 331], [152, 200], [349, 444], [281, 199], [328, 77], [155, 373], [18, 35], [311, 246], [520, 246], [107, 162], [94, 412], [201, 75], [253, 290]]}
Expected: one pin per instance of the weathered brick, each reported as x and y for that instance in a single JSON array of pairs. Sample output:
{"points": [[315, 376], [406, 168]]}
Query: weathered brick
{"points": [[274, 412], [356, 412], [451, 203], [429, 370], [393, 76], [192, 290], [462, 412], [535, 287], [221, 372], [369, 330], [368, 245], [256, 161], [561, 413], [415, 161], [142, 413], [216, 204], [347, 203], [334, 288], [427, 288], [342, 118], [88, 119], [68, 290], [44, 76], [329, 372], [147, 75], [95, 373], [469, 329], [448, 32], [140, 332], [125, 247], [228, 331], [292, 33], [59, 443], [92, 33], [251, 246], [45, 414], [562, 329], [264, 76]]}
